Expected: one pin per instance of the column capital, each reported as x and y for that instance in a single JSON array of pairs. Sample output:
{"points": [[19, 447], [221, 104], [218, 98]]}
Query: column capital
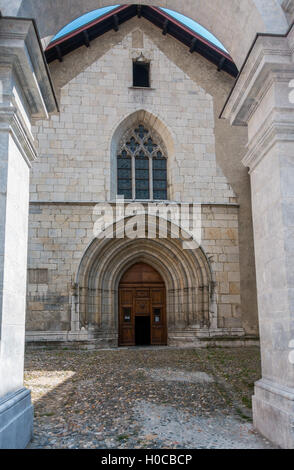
{"points": [[269, 61], [26, 91], [273, 131], [21, 50], [11, 122], [263, 96]]}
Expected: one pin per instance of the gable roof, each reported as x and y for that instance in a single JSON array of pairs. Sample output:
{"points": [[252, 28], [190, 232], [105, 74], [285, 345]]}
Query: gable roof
{"points": [[83, 35]]}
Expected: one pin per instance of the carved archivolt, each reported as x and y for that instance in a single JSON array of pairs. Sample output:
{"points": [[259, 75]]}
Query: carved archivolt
{"points": [[186, 274]]}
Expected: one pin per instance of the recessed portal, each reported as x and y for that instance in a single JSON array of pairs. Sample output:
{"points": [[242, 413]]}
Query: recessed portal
{"points": [[142, 313]]}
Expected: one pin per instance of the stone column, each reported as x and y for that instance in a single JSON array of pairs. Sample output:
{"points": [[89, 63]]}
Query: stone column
{"points": [[25, 93], [261, 101]]}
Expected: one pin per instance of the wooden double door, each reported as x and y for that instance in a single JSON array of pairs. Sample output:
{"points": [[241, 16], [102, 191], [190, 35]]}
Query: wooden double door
{"points": [[142, 313]]}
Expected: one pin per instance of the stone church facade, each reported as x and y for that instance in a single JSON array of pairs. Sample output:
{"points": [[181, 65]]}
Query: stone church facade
{"points": [[73, 277], [258, 105]]}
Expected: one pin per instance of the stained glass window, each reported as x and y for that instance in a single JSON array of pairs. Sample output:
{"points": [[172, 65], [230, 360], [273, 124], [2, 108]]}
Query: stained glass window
{"points": [[124, 175], [142, 176], [159, 177], [142, 166]]}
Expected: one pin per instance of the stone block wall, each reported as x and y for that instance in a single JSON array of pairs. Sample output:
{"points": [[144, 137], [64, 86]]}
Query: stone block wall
{"points": [[220, 241], [59, 236], [76, 162]]}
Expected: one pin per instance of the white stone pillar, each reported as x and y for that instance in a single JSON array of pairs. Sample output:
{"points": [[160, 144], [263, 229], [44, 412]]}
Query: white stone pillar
{"points": [[261, 100], [25, 93]]}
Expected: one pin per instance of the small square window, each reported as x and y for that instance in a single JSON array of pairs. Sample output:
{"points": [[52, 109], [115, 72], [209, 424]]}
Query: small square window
{"points": [[157, 315], [127, 314], [141, 72]]}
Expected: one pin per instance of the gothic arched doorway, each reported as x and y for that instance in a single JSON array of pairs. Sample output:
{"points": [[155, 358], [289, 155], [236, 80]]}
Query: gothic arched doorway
{"points": [[142, 312]]}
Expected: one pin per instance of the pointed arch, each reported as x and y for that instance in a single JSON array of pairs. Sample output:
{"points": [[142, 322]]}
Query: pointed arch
{"points": [[154, 124], [186, 274]]}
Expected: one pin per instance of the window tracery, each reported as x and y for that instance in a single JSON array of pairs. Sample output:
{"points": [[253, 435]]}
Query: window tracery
{"points": [[142, 165]]}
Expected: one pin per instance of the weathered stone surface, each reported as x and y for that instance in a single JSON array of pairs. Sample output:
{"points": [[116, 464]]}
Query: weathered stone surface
{"points": [[50, 305], [268, 74], [16, 419]]}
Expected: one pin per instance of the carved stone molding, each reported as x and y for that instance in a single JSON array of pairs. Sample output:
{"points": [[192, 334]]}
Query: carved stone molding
{"points": [[270, 60], [20, 48]]}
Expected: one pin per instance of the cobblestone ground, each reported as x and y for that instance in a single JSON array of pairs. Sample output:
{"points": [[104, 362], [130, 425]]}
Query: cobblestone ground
{"points": [[144, 398]]}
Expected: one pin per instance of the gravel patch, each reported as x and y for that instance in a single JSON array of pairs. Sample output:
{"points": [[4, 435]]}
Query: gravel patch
{"points": [[179, 428], [174, 375]]}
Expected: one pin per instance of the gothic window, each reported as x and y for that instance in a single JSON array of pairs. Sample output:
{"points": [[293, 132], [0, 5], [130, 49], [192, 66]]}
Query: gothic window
{"points": [[142, 166]]}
